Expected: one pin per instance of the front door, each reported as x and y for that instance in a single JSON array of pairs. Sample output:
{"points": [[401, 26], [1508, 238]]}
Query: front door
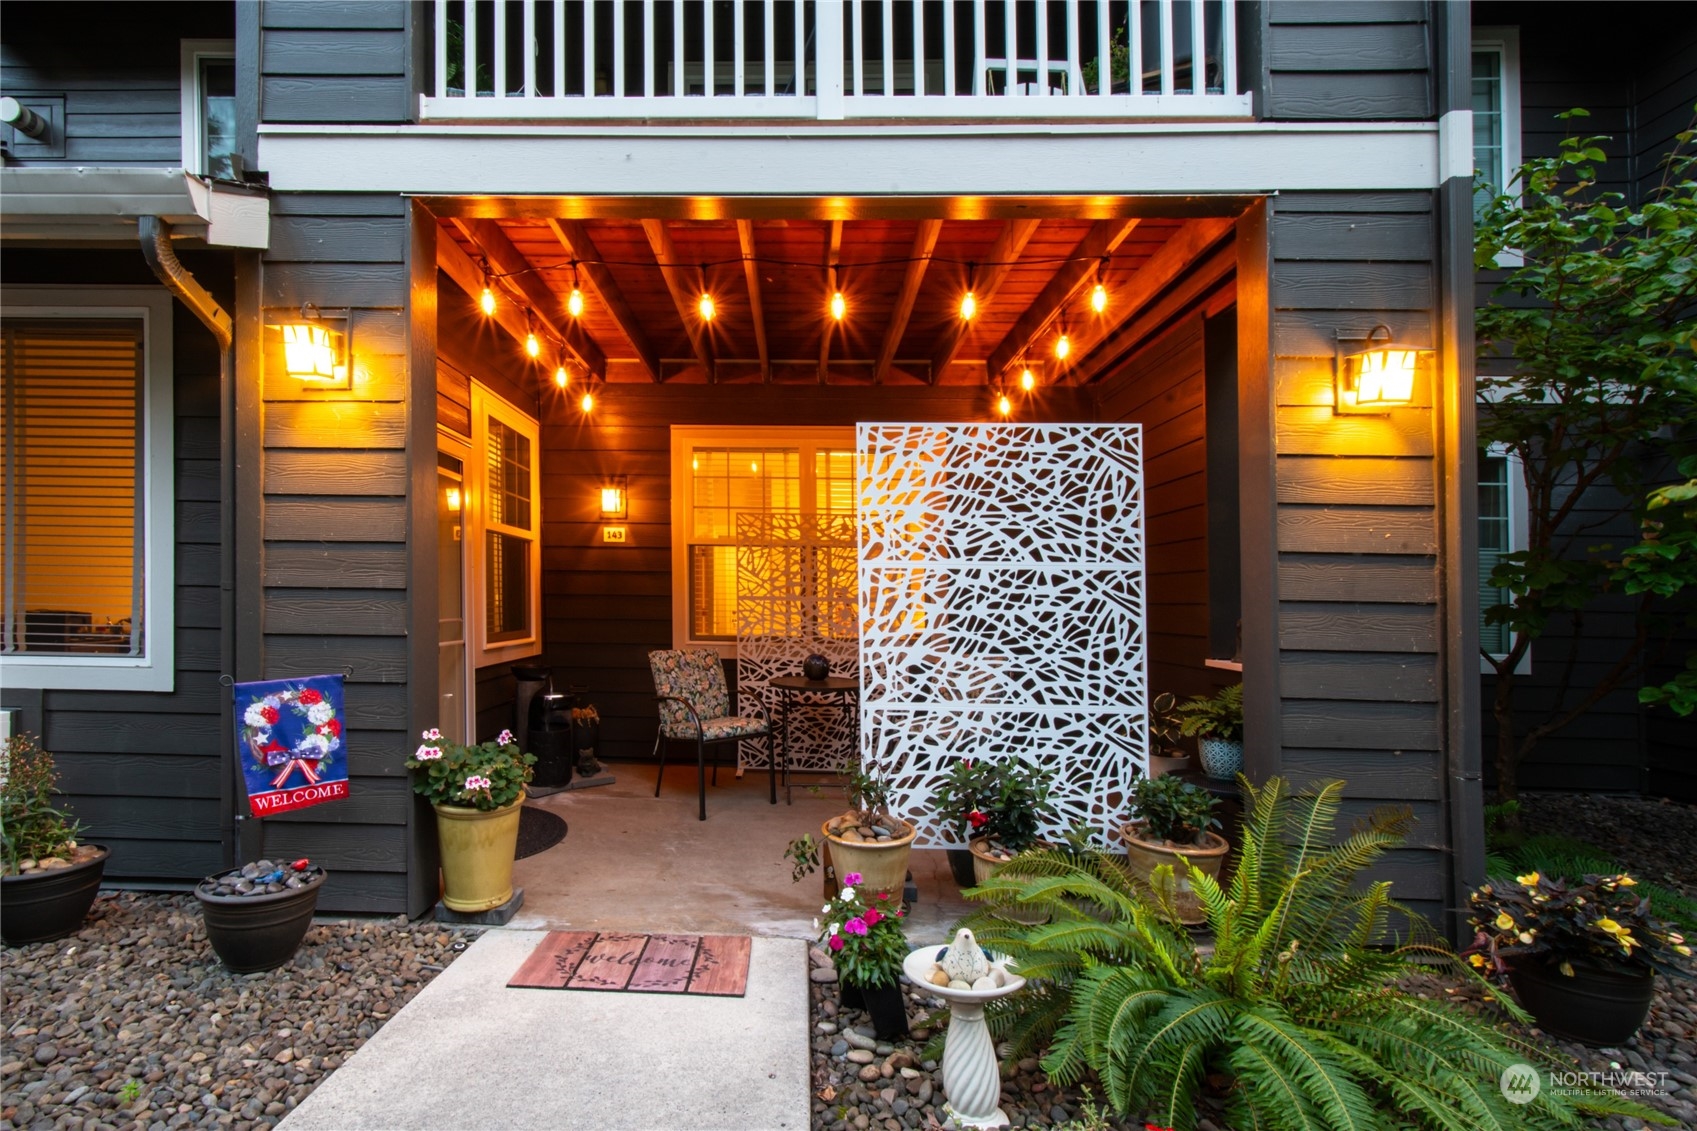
{"points": [[453, 709]]}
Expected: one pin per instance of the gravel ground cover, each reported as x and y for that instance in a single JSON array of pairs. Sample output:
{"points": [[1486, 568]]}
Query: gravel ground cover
{"points": [[133, 1023]]}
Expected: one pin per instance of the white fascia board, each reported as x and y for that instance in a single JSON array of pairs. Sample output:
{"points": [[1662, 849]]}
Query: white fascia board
{"points": [[96, 203], [855, 159]]}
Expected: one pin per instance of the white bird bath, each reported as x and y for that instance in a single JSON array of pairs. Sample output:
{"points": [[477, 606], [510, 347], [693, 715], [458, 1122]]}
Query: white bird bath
{"points": [[971, 1079]]}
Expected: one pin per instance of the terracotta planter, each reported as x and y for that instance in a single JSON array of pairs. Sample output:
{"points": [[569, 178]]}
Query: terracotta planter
{"points": [[882, 864], [1222, 758], [250, 933], [42, 906], [984, 866], [1145, 856], [1600, 1007], [477, 855]]}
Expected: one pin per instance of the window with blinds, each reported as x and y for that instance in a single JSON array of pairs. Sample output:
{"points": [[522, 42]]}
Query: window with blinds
{"points": [[72, 486], [1502, 531], [1495, 102]]}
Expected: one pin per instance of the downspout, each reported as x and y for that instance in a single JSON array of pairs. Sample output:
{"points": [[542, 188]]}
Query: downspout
{"points": [[162, 258]]}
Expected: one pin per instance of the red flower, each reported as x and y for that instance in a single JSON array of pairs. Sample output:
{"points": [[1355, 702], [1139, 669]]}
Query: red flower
{"points": [[977, 820], [309, 696], [836, 942], [333, 728], [967, 762], [271, 715], [872, 916], [1155, 1127]]}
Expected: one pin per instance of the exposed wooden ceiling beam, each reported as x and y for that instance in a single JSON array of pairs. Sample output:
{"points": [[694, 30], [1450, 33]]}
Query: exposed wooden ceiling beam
{"points": [[751, 273], [1102, 238], [677, 282], [458, 266], [1176, 257], [575, 238], [1015, 235], [833, 246], [919, 258], [544, 303]]}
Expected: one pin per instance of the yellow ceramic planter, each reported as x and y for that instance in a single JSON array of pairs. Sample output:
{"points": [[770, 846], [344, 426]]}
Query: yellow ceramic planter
{"points": [[882, 864], [477, 854]]}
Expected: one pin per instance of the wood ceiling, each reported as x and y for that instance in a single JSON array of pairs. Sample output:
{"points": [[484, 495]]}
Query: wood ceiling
{"points": [[772, 279]]}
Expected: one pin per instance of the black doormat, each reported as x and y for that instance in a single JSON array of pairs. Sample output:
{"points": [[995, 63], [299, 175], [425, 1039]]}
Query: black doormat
{"points": [[539, 830]]}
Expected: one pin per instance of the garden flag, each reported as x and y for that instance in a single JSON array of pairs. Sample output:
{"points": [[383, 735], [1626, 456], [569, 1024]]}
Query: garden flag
{"points": [[290, 742]]}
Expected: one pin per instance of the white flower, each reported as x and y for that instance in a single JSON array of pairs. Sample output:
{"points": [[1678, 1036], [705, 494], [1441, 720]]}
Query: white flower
{"points": [[815, 926], [505, 738], [826, 909], [432, 734], [426, 754], [476, 782], [848, 893], [254, 716], [320, 713], [313, 746], [833, 928]]}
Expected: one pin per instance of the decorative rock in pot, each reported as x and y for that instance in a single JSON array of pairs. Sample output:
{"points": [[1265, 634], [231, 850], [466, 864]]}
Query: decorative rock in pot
{"points": [[48, 881], [866, 840], [257, 915]]}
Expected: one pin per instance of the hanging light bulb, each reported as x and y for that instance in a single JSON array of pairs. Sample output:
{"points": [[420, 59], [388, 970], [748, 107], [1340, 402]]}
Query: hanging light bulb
{"points": [[705, 306], [1003, 405], [1063, 346], [839, 306], [587, 404], [1099, 298], [487, 301], [969, 301], [532, 344], [561, 377], [1027, 379], [574, 304]]}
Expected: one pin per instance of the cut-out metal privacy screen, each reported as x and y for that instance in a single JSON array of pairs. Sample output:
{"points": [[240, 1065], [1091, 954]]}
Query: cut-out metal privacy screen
{"points": [[1002, 609], [795, 597]]}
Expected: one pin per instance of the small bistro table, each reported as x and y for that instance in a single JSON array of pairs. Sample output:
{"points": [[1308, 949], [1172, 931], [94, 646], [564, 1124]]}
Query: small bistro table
{"points": [[785, 690]]}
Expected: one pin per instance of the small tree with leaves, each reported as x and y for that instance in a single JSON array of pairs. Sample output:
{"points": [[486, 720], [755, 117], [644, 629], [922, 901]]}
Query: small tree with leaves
{"points": [[1596, 315]]}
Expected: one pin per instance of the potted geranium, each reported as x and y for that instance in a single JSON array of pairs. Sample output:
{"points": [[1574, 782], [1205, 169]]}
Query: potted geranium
{"points": [[48, 881], [1217, 722], [861, 930], [477, 791], [866, 840], [1172, 823], [1582, 957]]}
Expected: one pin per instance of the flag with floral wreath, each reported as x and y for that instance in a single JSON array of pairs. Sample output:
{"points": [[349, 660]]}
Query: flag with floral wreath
{"points": [[290, 742]]}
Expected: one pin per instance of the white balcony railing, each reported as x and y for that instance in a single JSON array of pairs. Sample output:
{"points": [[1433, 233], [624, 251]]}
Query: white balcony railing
{"points": [[834, 59]]}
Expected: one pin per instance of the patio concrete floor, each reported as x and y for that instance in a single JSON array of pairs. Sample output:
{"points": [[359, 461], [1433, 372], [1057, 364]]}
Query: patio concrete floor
{"points": [[631, 862]]}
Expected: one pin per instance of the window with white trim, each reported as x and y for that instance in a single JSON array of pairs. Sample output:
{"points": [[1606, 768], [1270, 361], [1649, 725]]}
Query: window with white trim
{"points": [[1496, 110], [721, 473], [1502, 531], [209, 107], [87, 526], [504, 520]]}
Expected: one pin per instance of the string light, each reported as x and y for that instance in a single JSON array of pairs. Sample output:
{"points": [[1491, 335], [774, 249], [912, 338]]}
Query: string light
{"points": [[1027, 379], [1063, 346], [1003, 405], [561, 377], [1099, 294], [706, 304], [574, 304], [587, 404], [839, 306], [969, 301], [532, 344], [487, 301]]}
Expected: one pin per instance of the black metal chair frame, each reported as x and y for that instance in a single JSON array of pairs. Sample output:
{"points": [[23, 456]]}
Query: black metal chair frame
{"points": [[701, 745]]}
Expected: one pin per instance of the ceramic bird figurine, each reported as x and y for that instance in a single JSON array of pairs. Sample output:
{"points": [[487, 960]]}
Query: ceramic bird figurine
{"points": [[965, 961]]}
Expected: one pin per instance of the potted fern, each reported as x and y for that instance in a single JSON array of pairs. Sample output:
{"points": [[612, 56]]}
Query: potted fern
{"points": [[1171, 826], [1216, 721]]}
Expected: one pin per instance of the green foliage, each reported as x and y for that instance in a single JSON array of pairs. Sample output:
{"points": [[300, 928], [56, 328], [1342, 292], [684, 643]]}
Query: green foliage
{"points": [[488, 775], [1296, 1004], [1119, 65], [1600, 920], [1587, 359], [1664, 563], [1509, 855], [31, 825], [868, 793], [863, 934], [1172, 809], [1004, 799], [1214, 716], [130, 1092], [803, 855]]}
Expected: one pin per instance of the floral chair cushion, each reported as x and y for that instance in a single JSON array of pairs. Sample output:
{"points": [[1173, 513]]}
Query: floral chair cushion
{"points": [[699, 677]]}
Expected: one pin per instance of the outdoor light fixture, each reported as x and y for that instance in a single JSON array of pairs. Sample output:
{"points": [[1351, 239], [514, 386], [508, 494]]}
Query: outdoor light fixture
{"points": [[587, 404], [1378, 377], [574, 304], [487, 300], [1063, 346], [839, 306], [1027, 379], [561, 377], [1003, 405], [532, 344], [614, 499], [316, 353], [706, 304], [969, 301], [1099, 294], [453, 500]]}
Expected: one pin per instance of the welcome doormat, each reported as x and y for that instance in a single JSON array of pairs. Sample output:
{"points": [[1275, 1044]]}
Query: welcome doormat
{"points": [[714, 965]]}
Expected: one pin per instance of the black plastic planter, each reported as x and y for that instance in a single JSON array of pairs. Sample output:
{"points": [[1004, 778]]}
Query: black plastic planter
{"points": [[1600, 1008], [250, 933], [42, 906], [884, 1004]]}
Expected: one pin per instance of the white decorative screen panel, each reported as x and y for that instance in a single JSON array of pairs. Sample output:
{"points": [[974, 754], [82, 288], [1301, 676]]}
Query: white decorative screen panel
{"points": [[796, 577], [1002, 610]]}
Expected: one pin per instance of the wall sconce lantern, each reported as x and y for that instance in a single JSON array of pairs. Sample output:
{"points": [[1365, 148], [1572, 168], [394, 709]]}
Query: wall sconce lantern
{"points": [[453, 500], [614, 499], [1378, 377], [314, 352]]}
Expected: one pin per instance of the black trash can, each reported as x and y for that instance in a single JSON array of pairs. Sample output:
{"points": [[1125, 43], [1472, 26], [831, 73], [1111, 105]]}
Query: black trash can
{"points": [[551, 740]]}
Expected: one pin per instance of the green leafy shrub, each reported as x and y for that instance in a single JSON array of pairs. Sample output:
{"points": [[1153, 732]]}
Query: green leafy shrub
{"points": [[1005, 800], [1296, 1006], [487, 775], [1214, 716], [1172, 809], [31, 825]]}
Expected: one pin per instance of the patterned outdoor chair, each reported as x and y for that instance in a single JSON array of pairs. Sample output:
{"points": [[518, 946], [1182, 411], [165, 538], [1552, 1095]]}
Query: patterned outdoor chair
{"points": [[695, 705]]}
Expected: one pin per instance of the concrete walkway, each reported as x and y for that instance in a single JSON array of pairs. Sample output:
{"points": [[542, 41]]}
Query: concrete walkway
{"points": [[469, 1053]]}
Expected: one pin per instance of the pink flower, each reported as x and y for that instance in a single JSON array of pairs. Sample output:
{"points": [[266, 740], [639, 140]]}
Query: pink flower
{"points": [[855, 926], [432, 735], [426, 753], [872, 916], [505, 738], [836, 942], [851, 879], [477, 782]]}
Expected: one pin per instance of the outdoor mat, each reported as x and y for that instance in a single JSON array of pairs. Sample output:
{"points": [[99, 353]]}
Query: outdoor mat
{"points": [[539, 830], [715, 965]]}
